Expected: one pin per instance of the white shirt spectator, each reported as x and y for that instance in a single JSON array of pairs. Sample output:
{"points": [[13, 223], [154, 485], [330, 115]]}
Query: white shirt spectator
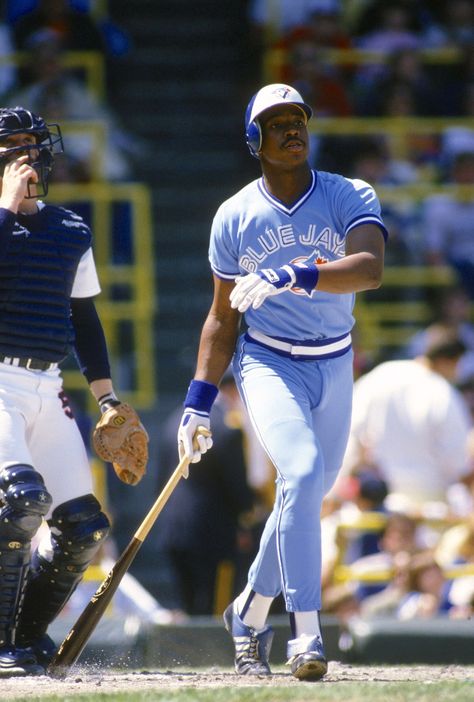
{"points": [[413, 425], [448, 226], [283, 15]]}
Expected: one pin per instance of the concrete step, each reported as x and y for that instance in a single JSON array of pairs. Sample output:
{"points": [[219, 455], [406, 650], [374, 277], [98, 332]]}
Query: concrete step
{"points": [[174, 29], [154, 117], [201, 641], [182, 90], [191, 56], [128, 642]]}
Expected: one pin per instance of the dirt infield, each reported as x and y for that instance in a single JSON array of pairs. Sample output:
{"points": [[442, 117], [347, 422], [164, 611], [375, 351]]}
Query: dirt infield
{"points": [[83, 680]]}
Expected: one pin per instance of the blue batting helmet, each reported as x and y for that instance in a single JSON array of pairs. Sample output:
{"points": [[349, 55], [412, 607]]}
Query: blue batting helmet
{"points": [[269, 96]]}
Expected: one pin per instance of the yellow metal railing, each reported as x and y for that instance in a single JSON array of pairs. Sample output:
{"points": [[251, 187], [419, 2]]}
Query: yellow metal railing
{"points": [[90, 62], [402, 133], [391, 323], [374, 522], [387, 317], [95, 131], [135, 278], [275, 57]]}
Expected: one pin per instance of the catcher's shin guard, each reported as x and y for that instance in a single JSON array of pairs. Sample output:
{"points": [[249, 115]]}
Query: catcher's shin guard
{"points": [[25, 503], [78, 528]]}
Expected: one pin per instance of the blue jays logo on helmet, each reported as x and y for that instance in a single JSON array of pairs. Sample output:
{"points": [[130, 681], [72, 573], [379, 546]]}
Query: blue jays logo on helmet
{"points": [[266, 97]]}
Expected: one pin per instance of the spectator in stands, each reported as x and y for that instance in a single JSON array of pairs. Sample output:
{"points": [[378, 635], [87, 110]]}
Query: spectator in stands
{"points": [[370, 160], [60, 97], [7, 70], [466, 386], [322, 25], [77, 30], [428, 590], [310, 73], [455, 28], [199, 525], [398, 536], [386, 602], [456, 545], [464, 80], [281, 16], [455, 550], [447, 224], [344, 533], [403, 67], [370, 157], [392, 31], [412, 425], [367, 17], [450, 306]]}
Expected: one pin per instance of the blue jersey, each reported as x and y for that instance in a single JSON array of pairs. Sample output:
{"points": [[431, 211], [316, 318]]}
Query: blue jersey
{"points": [[254, 230]]}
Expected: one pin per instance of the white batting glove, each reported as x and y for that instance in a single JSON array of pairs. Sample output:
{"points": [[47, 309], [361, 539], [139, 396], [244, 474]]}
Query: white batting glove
{"points": [[192, 444], [254, 288]]}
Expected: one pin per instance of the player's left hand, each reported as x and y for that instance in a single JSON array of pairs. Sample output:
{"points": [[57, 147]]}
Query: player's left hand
{"points": [[254, 288]]}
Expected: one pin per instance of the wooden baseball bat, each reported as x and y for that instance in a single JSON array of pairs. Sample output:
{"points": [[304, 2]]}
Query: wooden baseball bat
{"points": [[75, 641]]}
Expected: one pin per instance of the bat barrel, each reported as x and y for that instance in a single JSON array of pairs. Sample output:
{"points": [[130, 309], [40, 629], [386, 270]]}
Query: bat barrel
{"points": [[74, 643]]}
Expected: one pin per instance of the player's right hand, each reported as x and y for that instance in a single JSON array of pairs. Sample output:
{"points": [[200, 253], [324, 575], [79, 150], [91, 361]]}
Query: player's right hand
{"points": [[191, 443], [16, 176], [254, 288]]}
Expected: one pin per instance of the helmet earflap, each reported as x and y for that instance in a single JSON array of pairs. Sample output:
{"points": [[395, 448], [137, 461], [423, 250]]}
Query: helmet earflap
{"points": [[254, 138]]}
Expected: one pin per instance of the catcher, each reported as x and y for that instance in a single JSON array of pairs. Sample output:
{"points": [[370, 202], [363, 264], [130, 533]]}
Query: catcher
{"points": [[48, 280]]}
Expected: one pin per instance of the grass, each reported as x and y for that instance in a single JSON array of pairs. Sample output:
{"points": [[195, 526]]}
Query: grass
{"points": [[445, 691]]}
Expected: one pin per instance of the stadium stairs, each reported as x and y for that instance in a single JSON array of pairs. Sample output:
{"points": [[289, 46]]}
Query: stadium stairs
{"points": [[182, 90]]}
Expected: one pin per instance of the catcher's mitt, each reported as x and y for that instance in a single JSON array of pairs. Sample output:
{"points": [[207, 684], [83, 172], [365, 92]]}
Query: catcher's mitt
{"points": [[121, 439]]}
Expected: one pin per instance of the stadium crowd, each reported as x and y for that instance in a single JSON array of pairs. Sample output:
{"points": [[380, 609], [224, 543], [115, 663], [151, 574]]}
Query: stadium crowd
{"points": [[381, 554]]}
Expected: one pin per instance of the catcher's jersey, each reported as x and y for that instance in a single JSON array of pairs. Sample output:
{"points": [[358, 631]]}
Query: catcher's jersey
{"points": [[254, 230]]}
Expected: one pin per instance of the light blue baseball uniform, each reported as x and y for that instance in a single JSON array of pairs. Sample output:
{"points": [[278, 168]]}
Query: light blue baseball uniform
{"points": [[293, 365]]}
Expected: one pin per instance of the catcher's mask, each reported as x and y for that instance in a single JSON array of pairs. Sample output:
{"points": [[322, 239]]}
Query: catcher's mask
{"points": [[49, 141], [269, 96]]}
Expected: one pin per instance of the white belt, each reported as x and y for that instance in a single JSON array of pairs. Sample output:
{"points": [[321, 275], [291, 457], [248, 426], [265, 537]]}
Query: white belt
{"points": [[323, 348]]}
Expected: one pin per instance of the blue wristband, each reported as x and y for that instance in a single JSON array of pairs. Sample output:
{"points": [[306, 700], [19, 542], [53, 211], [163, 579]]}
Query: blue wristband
{"points": [[201, 395], [307, 276]]}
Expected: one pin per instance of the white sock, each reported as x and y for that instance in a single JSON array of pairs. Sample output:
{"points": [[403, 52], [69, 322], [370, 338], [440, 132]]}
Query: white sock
{"points": [[306, 623], [254, 607]]}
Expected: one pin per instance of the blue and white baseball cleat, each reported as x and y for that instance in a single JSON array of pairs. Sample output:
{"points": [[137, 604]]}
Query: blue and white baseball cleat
{"points": [[44, 649], [18, 662], [252, 648], [306, 658]]}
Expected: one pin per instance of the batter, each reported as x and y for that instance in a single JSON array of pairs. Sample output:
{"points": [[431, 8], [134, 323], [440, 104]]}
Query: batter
{"points": [[289, 252]]}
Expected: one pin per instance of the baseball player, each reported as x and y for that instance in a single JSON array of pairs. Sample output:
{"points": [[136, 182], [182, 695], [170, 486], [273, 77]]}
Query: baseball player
{"points": [[288, 251], [47, 281]]}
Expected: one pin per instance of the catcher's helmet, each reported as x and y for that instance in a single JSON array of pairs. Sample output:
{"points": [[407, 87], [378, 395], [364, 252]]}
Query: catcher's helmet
{"points": [[49, 141], [269, 96]]}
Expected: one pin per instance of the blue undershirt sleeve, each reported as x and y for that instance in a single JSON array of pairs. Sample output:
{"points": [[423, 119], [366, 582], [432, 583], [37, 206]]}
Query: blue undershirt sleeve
{"points": [[90, 346]]}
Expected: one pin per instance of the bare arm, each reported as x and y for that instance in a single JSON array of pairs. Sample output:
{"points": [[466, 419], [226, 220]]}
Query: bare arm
{"points": [[218, 336], [362, 266]]}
